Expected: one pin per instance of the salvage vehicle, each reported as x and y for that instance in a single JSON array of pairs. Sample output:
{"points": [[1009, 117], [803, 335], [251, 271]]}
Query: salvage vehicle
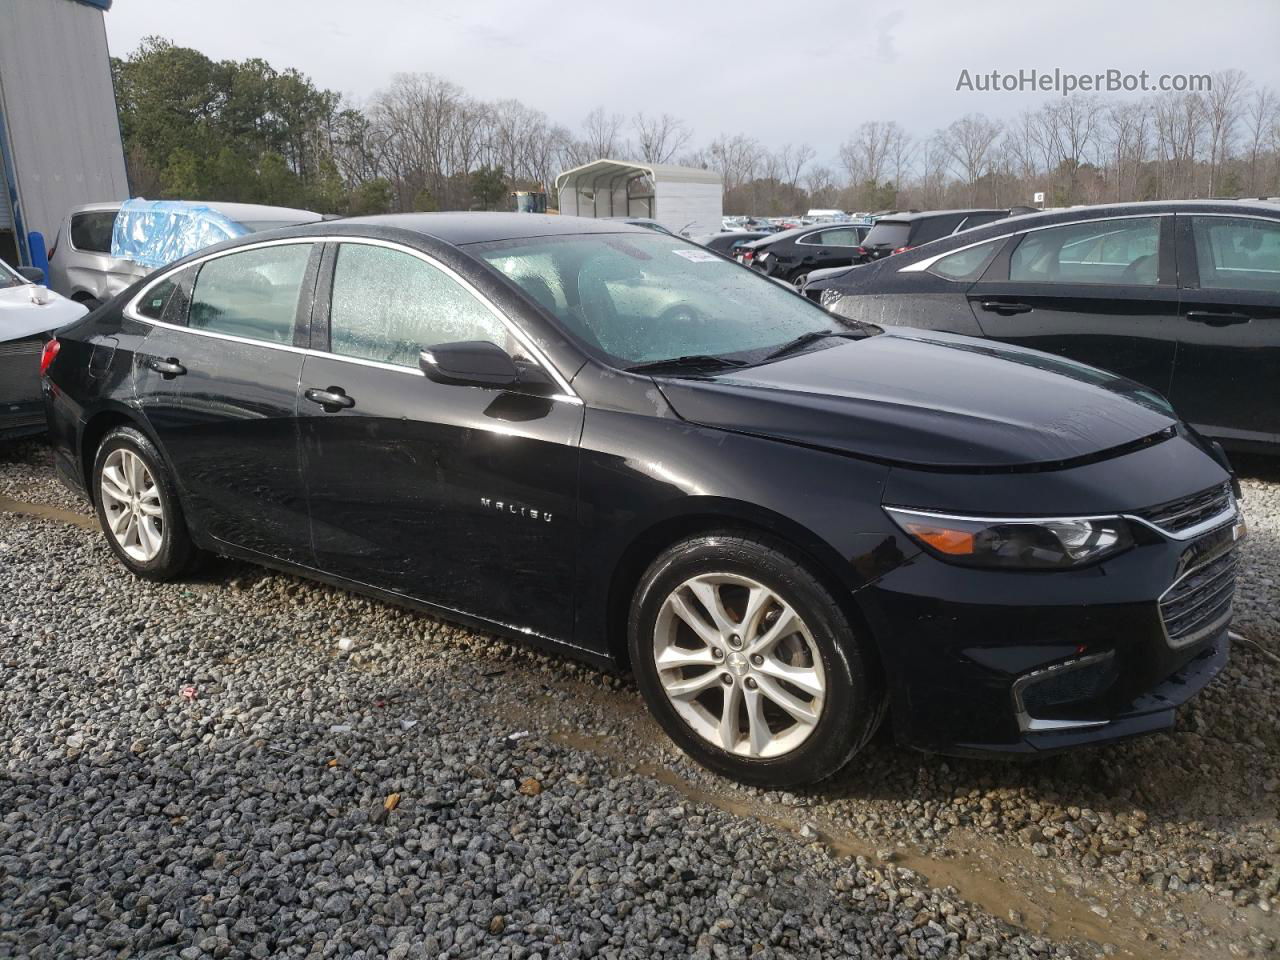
{"points": [[787, 524], [83, 268], [901, 232], [29, 312], [1182, 296], [791, 254]]}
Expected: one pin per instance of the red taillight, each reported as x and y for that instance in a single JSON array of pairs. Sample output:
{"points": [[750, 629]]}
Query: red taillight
{"points": [[862, 251], [748, 255], [46, 356], [902, 250]]}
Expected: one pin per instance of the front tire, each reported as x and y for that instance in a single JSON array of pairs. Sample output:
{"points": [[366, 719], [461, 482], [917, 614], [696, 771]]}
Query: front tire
{"points": [[749, 664], [138, 509]]}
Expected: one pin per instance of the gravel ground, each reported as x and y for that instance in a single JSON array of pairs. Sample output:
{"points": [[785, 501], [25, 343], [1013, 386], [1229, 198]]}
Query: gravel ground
{"points": [[249, 764]]}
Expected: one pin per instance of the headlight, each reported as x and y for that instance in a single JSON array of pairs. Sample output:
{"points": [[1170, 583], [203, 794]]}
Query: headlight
{"points": [[1049, 544], [829, 297]]}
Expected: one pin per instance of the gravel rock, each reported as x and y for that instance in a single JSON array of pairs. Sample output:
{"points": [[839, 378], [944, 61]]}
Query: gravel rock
{"points": [[253, 820]]}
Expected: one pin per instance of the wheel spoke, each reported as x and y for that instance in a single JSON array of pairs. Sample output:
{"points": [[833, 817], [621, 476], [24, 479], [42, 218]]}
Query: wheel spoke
{"points": [[708, 595], [675, 657], [758, 732], [705, 632], [113, 483], [786, 623], [757, 598], [133, 470], [148, 538], [150, 506], [131, 537], [689, 688], [806, 678], [802, 711], [117, 520], [729, 717]]}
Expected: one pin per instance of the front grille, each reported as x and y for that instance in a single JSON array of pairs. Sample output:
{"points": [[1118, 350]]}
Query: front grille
{"points": [[1199, 603], [1185, 512], [20, 370]]}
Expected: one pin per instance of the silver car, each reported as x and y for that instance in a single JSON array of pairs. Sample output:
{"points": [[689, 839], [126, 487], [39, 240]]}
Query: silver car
{"points": [[81, 267]]}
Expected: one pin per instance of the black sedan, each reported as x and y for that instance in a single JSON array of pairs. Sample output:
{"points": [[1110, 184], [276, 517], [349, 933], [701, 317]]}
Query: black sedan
{"points": [[790, 254], [621, 445], [1183, 297]]}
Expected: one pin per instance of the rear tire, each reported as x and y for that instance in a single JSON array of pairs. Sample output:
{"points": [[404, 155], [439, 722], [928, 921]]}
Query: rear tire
{"points": [[749, 664], [138, 508]]}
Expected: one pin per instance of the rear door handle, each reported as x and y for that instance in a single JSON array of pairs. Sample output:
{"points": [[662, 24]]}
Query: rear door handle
{"points": [[1217, 319], [1005, 309], [332, 399], [169, 368]]}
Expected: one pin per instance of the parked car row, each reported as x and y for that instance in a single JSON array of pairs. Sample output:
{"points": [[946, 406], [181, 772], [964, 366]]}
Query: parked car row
{"points": [[1183, 297], [795, 255], [790, 524]]}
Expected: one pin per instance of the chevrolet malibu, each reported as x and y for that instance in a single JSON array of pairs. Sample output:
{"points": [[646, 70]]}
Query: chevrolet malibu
{"points": [[788, 525]]}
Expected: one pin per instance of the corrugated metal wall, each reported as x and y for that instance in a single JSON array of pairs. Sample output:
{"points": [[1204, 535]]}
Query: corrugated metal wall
{"points": [[59, 109]]}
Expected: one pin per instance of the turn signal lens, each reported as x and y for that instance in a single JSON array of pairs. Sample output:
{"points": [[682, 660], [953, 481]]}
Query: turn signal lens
{"points": [[48, 353], [1030, 544], [954, 542]]}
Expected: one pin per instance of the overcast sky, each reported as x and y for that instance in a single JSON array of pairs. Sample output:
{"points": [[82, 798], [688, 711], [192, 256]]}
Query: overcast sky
{"points": [[731, 67]]}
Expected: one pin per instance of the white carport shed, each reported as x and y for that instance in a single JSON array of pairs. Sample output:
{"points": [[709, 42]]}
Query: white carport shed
{"points": [[683, 199]]}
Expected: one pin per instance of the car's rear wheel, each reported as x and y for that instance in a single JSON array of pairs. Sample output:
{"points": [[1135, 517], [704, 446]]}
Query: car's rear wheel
{"points": [[138, 508], [800, 279], [748, 663]]}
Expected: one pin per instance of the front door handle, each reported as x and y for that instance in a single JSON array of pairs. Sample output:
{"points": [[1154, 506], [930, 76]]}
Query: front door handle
{"points": [[169, 368], [1217, 319], [332, 399], [1005, 309]]}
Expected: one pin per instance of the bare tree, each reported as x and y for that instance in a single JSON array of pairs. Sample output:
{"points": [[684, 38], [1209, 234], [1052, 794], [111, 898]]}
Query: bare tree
{"points": [[1261, 115], [968, 142], [658, 139], [602, 136], [1223, 105]]}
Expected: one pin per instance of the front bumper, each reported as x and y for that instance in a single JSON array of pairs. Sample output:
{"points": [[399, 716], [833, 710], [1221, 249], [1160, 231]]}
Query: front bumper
{"points": [[982, 661]]}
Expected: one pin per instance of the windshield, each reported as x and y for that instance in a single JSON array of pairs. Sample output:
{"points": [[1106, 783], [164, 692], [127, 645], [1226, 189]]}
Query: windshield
{"points": [[9, 277], [641, 298]]}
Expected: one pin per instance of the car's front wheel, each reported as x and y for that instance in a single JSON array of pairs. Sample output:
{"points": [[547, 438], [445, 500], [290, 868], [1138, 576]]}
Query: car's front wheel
{"points": [[749, 664], [137, 506]]}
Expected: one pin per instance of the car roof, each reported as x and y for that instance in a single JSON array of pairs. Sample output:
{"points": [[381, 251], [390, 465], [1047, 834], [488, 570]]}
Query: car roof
{"points": [[926, 214], [240, 212], [463, 228]]}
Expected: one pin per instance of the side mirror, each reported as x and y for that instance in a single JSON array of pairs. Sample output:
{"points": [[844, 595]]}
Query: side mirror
{"points": [[469, 363], [34, 274]]}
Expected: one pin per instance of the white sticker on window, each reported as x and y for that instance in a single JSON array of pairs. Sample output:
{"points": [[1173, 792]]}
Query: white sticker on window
{"points": [[697, 256]]}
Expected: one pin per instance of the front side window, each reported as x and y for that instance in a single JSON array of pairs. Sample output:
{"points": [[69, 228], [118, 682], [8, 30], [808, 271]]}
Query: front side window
{"points": [[1099, 251], [151, 305], [842, 237], [1237, 253], [91, 232], [967, 264], [641, 299], [252, 294], [389, 305]]}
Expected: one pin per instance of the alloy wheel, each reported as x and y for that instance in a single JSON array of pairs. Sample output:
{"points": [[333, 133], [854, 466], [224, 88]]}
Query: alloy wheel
{"points": [[132, 505], [739, 665]]}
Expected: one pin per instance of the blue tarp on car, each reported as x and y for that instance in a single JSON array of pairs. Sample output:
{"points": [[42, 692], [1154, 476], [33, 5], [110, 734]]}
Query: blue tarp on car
{"points": [[158, 232]]}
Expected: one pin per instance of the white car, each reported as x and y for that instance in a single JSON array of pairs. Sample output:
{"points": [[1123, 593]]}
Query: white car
{"points": [[29, 312]]}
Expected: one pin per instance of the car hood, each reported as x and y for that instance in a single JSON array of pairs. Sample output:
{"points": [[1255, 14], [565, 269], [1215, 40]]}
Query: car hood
{"points": [[21, 316], [930, 399]]}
